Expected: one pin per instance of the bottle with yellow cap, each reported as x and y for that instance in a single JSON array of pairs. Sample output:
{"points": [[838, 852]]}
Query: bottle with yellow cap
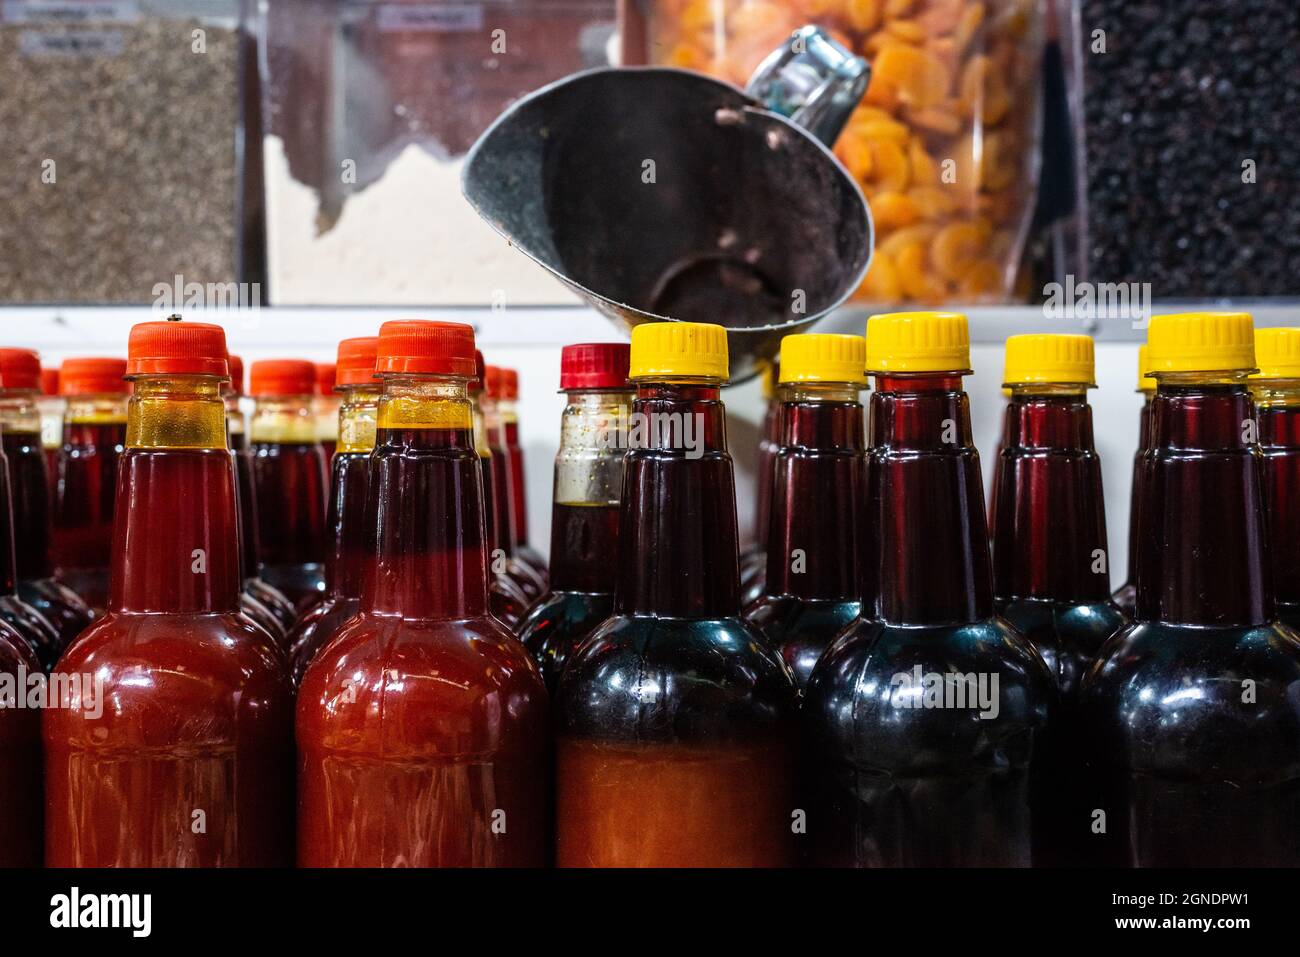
{"points": [[1276, 389], [1192, 712], [422, 723], [753, 560], [818, 477], [1126, 595], [927, 715], [675, 721], [1051, 567]]}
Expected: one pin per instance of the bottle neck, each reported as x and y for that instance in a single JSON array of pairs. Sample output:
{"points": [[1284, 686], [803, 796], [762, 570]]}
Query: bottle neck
{"points": [[769, 440], [357, 416], [94, 410], [1201, 552], [678, 555], [1278, 411], [20, 428], [928, 562], [176, 529], [818, 476], [588, 489], [236, 420], [327, 409], [284, 420], [426, 504], [1049, 542]]}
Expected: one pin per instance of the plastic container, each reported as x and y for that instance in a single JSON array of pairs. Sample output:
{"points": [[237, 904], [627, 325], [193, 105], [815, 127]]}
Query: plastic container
{"points": [[368, 109], [945, 143]]}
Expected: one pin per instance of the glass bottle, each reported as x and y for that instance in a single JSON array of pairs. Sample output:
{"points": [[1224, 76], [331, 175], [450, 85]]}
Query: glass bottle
{"points": [[927, 718], [1276, 391], [423, 730], [326, 408], [675, 722], [753, 560], [818, 480], [508, 407], [531, 582], [1126, 595], [585, 514], [181, 754]]}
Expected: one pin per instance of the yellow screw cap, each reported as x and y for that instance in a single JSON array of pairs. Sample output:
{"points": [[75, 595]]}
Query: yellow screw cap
{"points": [[899, 342], [1048, 358], [1201, 342], [668, 350], [1277, 351], [768, 377], [1145, 382], [820, 357]]}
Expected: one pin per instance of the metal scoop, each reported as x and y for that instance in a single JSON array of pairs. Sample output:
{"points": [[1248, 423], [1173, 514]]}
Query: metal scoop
{"points": [[661, 194]]}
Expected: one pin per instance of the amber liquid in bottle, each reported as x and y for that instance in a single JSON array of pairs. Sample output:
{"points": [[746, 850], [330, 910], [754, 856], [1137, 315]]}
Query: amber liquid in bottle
{"points": [[349, 531], [814, 543], [290, 474], [1051, 581], [584, 530], [94, 430], [1193, 710], [181, 754], [29, 481], [423, 721], [1125, 596], [926, 718], [675, 721]]}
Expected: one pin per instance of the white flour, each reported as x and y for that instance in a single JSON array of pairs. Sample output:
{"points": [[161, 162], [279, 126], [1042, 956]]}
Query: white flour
{"points": [[410, 238]]}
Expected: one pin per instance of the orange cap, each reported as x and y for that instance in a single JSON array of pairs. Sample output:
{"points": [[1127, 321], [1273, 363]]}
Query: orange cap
{"points": [[97, 376], [236, 365], [281, 377], [495, 382], [175, 347], [424, 347], [20, 369], [479, 382], [325, 372], [356, 361], [50, 380], [509, 384]]}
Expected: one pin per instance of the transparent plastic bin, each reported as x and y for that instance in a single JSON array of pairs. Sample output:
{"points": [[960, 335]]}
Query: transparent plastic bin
{"points": [[368, 109]]}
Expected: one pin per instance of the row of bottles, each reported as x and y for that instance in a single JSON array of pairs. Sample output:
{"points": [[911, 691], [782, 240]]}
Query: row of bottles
{"points": [[903, 686]]}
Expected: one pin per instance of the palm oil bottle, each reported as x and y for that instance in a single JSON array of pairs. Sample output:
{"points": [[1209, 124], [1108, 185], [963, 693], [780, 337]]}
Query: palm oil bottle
{"points": [[182, 755], [20, 755], [326, 408], [585, 516], [753, 560], [29, 482], [290, 476], [1276, 390], [818, 479], [349, 483], [423, 731], [1193, 711], [530, 581], [1051, 568], [50, 405], [926, 718], [1126, 595], [508, 407], [94, 428], [265, 604], [675, 722]]}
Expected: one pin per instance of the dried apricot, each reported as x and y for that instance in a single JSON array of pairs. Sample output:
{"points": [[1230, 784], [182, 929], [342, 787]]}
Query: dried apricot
{"points": [[881, 281], [921, 79], [931, 202], [863, 15], [916, 281], [892, 210], [955, 247], [890, 167], [900, 239], [909, 31], [981, 279]]}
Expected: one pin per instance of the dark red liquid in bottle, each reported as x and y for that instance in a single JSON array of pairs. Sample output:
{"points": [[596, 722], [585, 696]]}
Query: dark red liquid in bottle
{"points": [[258, 598], [675, 720], [506, 526], [922, 759], [29, 484], [24, 621], [83, 509], [1050, 577], [21, 809], [813, 578], [182, 753], [519, 498], [291, 495], [753, 561], [1125, 596], [1279, 439], [422, 725], [1194, 711]]}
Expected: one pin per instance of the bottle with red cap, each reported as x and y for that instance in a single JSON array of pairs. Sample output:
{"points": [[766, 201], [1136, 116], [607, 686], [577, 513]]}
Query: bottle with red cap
{"points": [[529, 580], [290, 475], [178, 750], [508, 408], [51, 405], [348, 528], [507, 598], [29, 480], [266, 605], [422, 726], [585, 515], [326, 407], [94, 430]]}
